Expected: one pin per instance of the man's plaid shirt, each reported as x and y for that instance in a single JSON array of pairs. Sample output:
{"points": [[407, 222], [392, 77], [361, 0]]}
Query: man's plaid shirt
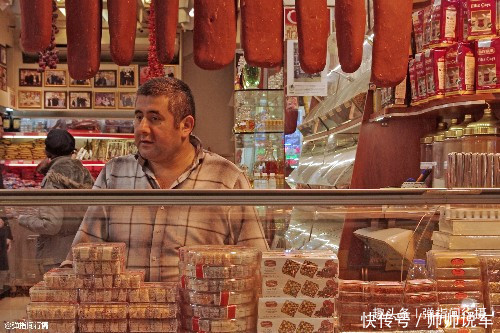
{"points": [[154, 234]]}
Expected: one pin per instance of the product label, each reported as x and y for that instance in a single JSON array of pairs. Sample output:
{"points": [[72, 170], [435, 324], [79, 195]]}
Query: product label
{"points": [[459, 284], [470, 67], [457, 262], [418, 29], [488, 64], [481, 17], [451, 23], [458, 272], [460, 296]]}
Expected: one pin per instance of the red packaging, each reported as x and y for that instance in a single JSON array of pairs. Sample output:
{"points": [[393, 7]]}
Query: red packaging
{"points": [[418, 30], [413, 82], [435, 73], [488, 65], [420, 74], [463, 25], [444, 17], [426, 25], [460, 65], [481, 19]]}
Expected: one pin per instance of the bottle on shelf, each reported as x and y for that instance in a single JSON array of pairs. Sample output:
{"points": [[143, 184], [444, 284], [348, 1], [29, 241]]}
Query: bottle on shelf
{"points": [[265, 169], [7, 121], [418, 270]]}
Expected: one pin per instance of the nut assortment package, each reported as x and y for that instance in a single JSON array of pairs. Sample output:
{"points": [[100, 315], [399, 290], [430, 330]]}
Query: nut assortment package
{"points": [[298, 290], [218, 288]]}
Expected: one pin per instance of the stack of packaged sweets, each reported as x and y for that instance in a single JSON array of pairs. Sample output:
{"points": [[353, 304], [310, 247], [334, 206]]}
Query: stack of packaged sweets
{"points": [[353, 301], [218, 288], [459, 280], [420, 298], [298, 290], [491, 272]]}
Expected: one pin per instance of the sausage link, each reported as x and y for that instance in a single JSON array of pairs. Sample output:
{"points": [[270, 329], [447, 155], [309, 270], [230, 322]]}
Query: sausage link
{"points": [[313, 27], [262, 32], [214, 37], [83, 32], [167, 15], [36, 24], [391, 42], [122, 15], [350, 25]]}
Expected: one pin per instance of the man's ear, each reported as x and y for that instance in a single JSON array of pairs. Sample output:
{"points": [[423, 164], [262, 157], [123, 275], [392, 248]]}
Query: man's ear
{"points": [[187, 125]]}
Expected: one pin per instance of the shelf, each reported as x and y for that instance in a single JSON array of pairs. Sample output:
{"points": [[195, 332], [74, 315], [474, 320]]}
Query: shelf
{"points": [[451, 104], [346, 128], [240, 90], [76, 134], [260, 132], [34, 163]]}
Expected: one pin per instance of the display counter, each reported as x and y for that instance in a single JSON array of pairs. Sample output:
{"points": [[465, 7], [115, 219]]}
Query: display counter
{"points": [[313, 261]]}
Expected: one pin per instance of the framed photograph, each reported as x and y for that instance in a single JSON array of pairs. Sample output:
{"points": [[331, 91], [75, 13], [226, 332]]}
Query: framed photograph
{"points": [[30, 78], [104, 100], [55, 78], [127, 100], [3, 55], [127, 77], [3, 78], [80, 99], [172, 71], [79, 83], [143, 74], [105, 79], [30, 99], [55, 100]]}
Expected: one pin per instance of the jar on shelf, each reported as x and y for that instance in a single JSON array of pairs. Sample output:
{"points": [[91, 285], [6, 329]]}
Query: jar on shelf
{"points": [[482, 136], [437, 155], [453, 140]]}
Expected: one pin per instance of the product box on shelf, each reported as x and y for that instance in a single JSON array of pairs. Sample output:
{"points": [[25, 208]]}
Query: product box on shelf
{"points": [[313, 288], [222, 298], [41, 293], [481, 19], [154, 292], [455, 242], [279, 307], [435, 73], [418, 30], [218, 325], [426, 26], [295, 325], [460, 63], [98, 251], [51, 311], [152, 325], [62, 278], [444, 17], [488, 65], [299, 265], [413, 82], [100, 325], [102, 311], [421, 78]]}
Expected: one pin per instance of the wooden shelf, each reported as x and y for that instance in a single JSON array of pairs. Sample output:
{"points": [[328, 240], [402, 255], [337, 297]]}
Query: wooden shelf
{"points": [[469, 103]]}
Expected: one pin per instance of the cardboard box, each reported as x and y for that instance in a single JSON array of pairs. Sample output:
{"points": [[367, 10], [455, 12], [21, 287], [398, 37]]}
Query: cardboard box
{"points": [[280, 307], [290, 287], [300, 265], [292, 325]]}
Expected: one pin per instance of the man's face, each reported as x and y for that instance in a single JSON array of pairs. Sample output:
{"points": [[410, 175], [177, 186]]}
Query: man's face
{"points": [[156, 135]]}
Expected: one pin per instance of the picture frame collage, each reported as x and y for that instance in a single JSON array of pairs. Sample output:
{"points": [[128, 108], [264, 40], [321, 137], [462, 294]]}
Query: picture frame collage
{"points": [[109, 89], [3, 67]]}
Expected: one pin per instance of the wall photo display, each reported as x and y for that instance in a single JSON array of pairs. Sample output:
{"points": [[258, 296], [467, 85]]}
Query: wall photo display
{"points": [[30, 99], [80, 99], [105, 79], [104, 100], [55, 100], [127, 76], [30, 78], [3, 78], [55, 78], [79, 83], [127, 100]]}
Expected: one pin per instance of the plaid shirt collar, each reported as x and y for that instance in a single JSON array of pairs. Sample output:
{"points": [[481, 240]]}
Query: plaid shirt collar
{"points": [[199, 156]]}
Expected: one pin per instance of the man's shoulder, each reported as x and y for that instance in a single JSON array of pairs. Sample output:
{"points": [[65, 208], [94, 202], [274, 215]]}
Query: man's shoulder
{"points": [[122, 164], [215, 169], [216, 161]]}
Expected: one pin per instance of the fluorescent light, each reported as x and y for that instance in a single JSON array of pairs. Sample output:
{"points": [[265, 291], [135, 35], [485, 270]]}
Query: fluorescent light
{"points": [[191, 12]]}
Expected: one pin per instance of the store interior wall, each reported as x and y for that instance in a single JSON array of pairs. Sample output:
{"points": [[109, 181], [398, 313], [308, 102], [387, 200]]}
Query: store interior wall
{"points": [[6, 38], [213, 96]]}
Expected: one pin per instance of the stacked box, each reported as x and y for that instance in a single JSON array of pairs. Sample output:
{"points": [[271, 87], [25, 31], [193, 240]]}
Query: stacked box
{"points": [[298, 290], [353, 302], [61, 317], [420, 296], [102, 317], [218, 288], [150, 317], [491, 272]]}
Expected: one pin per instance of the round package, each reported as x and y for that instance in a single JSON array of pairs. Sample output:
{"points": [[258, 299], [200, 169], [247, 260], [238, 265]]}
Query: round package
{"points": [[218, 272], [219, 255]]}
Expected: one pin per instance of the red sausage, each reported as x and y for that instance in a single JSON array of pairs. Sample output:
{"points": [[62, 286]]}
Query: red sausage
{"points": [[122, 15], [36, 24], [313, 27], [214, 37], [391, 43], [350, 25], [167, 15], [262, 32], [83, 32]]}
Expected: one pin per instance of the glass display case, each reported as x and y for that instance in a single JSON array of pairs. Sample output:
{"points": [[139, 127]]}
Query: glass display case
{"points": [[320, 241]]}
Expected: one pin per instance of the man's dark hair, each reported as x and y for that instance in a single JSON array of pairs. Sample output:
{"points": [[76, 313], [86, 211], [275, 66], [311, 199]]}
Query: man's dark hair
{"points": [[180, 98], [59, 142]]}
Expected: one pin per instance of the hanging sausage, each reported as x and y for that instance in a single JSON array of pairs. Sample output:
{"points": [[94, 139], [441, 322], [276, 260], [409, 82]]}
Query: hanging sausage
{"points": [[122, 16], [36, 24], [214, 36], [83, 32], [391, 42], [262, 32], [313, 27], [350, 25], [167, 15]]}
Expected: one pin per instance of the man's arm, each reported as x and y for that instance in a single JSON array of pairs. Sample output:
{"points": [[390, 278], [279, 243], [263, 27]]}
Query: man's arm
{"points": [[247, 229]]}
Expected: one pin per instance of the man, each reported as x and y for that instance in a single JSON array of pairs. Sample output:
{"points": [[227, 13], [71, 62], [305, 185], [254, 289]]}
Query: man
{"points": [[169, 157], [58, 225]]}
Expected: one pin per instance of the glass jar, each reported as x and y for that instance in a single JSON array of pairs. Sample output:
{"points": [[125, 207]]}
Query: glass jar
{"points": [[426, 152], [453, 141], [437, 155], [482, 136]]}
